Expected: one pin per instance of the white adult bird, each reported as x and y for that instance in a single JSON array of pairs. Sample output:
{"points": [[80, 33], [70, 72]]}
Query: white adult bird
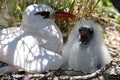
{"points": [[36, 45], [85, 49]]}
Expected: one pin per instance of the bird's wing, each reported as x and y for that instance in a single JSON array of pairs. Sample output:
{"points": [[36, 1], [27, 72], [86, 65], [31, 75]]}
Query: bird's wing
{"points": [[24, 52]]}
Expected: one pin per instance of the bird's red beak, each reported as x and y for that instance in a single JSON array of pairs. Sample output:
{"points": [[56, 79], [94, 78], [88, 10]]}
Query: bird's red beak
{"points": [[63, 15]]}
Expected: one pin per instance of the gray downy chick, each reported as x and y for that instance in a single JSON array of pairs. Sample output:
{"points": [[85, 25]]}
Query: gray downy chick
{"points": [[85, 49]]}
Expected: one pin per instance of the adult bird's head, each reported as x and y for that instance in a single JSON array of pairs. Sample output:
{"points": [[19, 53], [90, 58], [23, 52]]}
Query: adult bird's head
{"points": [[38, 19], [38, 16]]}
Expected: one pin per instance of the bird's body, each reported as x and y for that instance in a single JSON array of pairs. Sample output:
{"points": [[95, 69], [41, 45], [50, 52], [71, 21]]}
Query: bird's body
{"points": [[25, 51], [35, 46], [85, 52]]}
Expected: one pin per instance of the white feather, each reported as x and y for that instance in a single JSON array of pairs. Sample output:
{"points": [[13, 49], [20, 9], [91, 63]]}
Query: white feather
{"points": [[35, 46]]}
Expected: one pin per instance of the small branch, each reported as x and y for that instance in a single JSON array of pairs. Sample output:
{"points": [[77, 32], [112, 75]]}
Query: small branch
{"points": [[93, 75]]}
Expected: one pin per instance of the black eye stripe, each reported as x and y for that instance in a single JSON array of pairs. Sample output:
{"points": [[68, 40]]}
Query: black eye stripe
{"points": [[45, 14]]}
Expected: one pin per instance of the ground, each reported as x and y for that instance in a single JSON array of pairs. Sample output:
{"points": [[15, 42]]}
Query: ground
{"points": [[112, 40]]}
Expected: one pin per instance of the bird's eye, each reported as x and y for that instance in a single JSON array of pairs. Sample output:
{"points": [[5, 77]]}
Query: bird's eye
{"points": [[45, 14], [80, 30], [91, 30]]}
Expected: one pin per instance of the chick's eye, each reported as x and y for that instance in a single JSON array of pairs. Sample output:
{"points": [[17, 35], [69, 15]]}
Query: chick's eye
{"points": [[79, 30], [45, 14], [91, 31]]}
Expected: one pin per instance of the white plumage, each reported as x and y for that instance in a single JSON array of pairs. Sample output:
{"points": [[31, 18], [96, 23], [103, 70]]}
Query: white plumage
{"points": [[85, 52], [35, 46]]}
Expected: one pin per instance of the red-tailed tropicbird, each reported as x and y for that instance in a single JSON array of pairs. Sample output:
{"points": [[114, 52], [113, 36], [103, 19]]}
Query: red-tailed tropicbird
{"points": [[36, 45]]}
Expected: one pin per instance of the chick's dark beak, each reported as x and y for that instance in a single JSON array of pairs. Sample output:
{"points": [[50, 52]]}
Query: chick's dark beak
{"points": [[63, 15]]}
